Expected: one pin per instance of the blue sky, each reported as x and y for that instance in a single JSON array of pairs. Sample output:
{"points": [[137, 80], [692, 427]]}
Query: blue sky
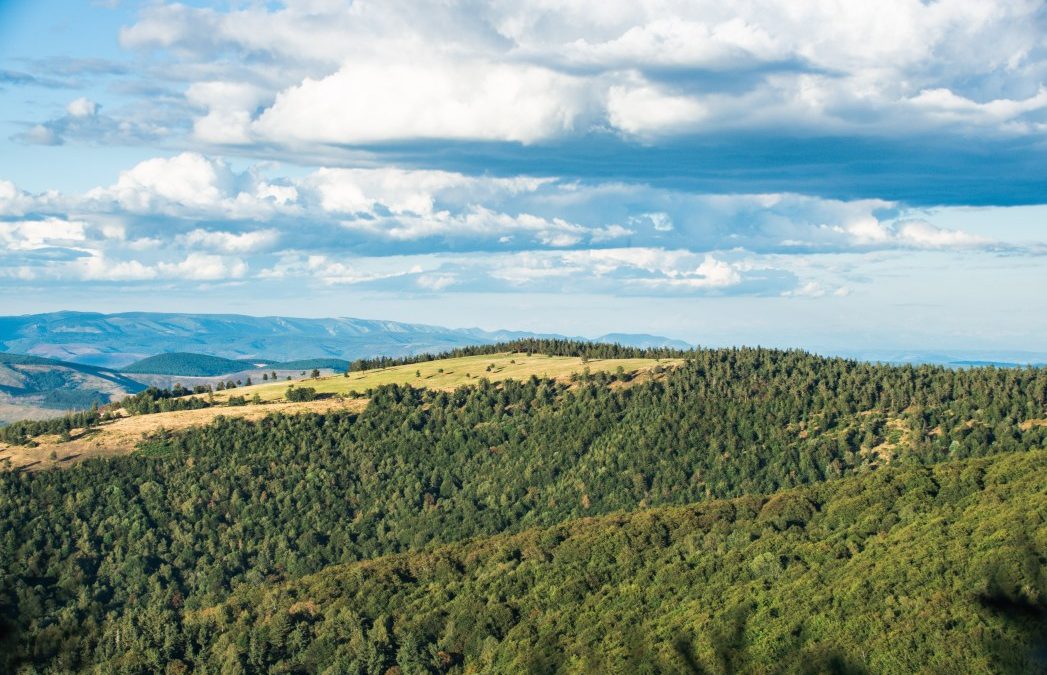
{"points": [[816, 174]]}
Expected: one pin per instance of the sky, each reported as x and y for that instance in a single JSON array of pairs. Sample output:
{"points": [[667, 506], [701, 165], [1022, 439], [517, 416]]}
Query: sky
{"points": [[795, 173]]}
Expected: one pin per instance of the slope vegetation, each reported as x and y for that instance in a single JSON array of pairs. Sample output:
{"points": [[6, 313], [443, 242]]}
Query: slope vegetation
{"points": [[450, 373], [186, 363], [904, 570], [143, 563], [122, 436]]}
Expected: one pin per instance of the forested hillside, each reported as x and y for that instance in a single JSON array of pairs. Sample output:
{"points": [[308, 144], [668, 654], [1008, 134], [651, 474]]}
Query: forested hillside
{"points": [[120, 561], [904, 570], [186, 363]]}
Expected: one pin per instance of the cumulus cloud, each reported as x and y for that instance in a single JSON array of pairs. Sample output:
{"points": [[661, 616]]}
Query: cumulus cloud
{"points": [[13, 202], [868, 231], [375, 102], [191, 219], [191, 185], [645, 109], [188, 179], [21, 235], [204, 267], [82, 107], [371, 72], [946, 105], [232, 242]]}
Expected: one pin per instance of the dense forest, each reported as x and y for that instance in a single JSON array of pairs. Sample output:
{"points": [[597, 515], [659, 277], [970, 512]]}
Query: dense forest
{"points": [[136, 562], [189, 364], [204, 365], [547, 346]]}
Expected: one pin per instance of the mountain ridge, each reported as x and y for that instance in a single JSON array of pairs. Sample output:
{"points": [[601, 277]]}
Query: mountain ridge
{"points": [[118, 340]]}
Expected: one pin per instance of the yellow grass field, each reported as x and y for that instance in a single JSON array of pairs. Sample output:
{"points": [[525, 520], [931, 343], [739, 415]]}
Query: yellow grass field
{"points": [[123, 435], [448, 374]]}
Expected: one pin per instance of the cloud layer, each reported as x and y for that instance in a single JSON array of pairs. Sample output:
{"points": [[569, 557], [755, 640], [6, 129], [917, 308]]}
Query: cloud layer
{"points": [[191, 218], [368, 72]]}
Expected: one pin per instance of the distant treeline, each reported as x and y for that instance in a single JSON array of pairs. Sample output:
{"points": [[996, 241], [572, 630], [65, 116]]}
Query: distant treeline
{"points": [[546, 346]]}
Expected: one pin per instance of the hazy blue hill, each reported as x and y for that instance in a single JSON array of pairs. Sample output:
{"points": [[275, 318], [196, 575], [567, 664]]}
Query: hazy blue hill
{"points": [[186, 363], [642, 341], [119, 340], [26, 360], [309, 364], [33, 386]]}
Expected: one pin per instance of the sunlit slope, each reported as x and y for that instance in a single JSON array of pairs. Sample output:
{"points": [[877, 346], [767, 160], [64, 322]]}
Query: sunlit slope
{"points": [[123, 435], [907, 569], [449, 374]]}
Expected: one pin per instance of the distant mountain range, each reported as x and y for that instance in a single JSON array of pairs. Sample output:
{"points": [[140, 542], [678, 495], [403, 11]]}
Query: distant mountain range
{"points": [[118, 340], [954, 358]]}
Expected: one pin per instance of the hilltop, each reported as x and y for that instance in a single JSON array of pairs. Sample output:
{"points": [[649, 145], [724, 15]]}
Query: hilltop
{"points": [[331, 392], [186, 363], [189, 364]]}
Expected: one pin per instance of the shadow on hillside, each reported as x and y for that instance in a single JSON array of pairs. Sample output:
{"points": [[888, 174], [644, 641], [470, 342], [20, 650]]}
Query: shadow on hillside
{"points": [[1009, 600], [85, 433], [731, 651]]}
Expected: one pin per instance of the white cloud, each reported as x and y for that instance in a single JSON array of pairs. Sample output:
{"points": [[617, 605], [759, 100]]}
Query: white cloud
{"points": [[187, 179], [678, 42], [204, 267], [228, 105], [946, 105], [372, 102], [400, 191], [98, 267], [13, 202], [82, 107], [869, 231], [646, 109], [924, 234], [26, 235], [371, 72], [232, 242], [436, 282]]}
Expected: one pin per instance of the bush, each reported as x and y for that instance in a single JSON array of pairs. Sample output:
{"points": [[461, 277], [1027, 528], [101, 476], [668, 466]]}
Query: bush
{"points": [[300, 394]]}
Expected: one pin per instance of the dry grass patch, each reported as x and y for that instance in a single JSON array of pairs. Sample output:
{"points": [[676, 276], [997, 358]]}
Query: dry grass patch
{"points": [[121, 436], [449, 374]]}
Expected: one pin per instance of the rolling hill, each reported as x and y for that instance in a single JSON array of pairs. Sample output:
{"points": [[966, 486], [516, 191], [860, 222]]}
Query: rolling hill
{"points": [[185, 363], [746, 510], [333, 393], [204, 365]]}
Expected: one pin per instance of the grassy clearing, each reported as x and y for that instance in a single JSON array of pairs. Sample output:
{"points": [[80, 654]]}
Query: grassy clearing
{"points": [[447, 374], [123, 435]]}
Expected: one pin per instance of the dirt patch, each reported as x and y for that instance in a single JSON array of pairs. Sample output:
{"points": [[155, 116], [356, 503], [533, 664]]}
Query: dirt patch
{"points": [[121, 436], [1029, 424]]}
